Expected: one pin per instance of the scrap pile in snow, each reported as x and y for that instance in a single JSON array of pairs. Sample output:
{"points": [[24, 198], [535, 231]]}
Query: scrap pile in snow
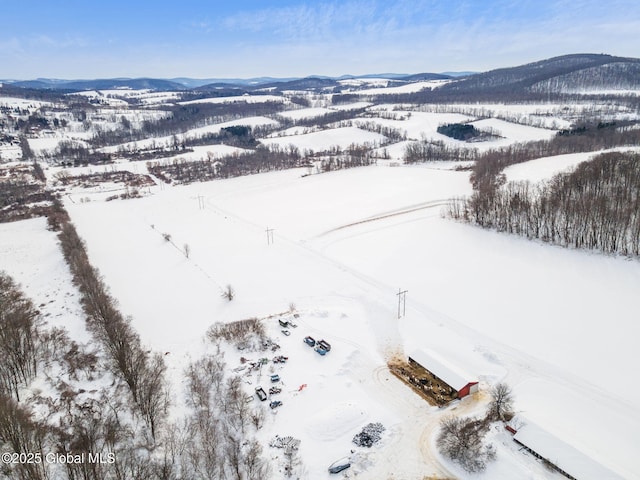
{"points": [[288, 443], [369, 435]]}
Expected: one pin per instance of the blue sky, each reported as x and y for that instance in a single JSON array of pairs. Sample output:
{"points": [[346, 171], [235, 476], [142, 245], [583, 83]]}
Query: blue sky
{"points": [[280, 38]]}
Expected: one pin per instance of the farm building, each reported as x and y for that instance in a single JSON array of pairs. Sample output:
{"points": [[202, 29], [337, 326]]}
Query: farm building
{"points": [[566, 459], [458, 381]]}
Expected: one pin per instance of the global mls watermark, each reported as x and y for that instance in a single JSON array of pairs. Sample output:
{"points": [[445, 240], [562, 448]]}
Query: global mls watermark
{"points": [[80, 458]]}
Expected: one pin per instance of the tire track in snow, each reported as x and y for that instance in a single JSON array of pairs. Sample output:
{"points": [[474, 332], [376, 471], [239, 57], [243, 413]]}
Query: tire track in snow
{"points": [[389, 214]]}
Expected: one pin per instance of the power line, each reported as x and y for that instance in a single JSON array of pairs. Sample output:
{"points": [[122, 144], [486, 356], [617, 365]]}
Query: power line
{"points": [[402, 300]]}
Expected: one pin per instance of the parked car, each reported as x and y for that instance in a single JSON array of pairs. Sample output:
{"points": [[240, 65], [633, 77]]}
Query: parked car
{"points": [[275, 404], [275, 378], [322, 347], [283, 323], [285, 332], [340, 465], [262, 395], [310, 341]]}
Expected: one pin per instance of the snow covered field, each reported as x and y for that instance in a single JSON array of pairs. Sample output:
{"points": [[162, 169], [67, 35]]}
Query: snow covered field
{"points": [[558, 325], [325, 139], [344, 242]]}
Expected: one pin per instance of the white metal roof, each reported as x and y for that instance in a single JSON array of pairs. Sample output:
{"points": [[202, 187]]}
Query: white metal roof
{"points": [[563, 455], [446, 372]]}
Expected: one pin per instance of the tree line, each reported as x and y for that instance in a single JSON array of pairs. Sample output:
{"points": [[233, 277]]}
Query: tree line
{"points": [[597, 206], [185, 117], [142, 371]]}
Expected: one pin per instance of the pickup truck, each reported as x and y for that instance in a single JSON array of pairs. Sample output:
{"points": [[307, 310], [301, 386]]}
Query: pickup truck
{"points": [[262, 395]]}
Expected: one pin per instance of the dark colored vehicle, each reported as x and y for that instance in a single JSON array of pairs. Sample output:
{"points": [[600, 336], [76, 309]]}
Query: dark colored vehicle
{"points": [[275, 378], [283, 323], [262, 395], [339, 465], [310, 341], [323, 347], [274, 390], [275, 404]]}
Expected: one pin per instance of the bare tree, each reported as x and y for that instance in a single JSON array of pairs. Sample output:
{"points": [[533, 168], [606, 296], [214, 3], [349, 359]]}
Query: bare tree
{"points": [[462, 440], [255, 467], [187, 250], [228, 293], [21, 434], [501, 405], [18, 338], [152, 392], [292, 461]]}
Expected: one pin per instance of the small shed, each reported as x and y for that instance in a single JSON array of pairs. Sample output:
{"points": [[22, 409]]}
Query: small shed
{"points": [[447, 373], [564, 458]]}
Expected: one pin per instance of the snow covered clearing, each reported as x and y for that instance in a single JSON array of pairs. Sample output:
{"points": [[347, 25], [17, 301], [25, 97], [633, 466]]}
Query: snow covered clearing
{"points": [[325, 139], [305, 113], [28, 104], [238, 99], [169, 140], [31, 255], [408, 88], [102, 98], [419, 125], [344, 242], [10, 153], [358, 82], [546, 167], [351, 106], [512, 133]]}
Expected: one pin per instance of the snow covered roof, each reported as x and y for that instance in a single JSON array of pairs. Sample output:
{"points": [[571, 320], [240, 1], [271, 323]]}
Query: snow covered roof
{"points": [[446, 372], [562, 455]]}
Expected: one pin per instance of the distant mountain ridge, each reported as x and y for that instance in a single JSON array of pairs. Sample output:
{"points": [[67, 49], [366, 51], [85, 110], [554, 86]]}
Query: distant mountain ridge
{"points": [[564, 74], [101, 84], [185, 83], [573, 73]]}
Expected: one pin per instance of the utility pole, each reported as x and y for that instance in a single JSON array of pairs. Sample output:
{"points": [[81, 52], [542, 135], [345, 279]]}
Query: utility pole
{"points": [[200, 202], [269, 235], [402, 300]]}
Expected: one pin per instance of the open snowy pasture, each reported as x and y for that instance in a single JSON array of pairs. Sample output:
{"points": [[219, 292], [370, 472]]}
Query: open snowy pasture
{"points": [[102, 98], [324, 140], [30, 254], [359, 82], [420, 125], [144, 96], [336, 247], [301, 113], [238, 99], [550, 115], [351, 106], [511, 132], [169, 140], [538, 311], [10, 152], [546, 167], [23, 103], [408, 88]]}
